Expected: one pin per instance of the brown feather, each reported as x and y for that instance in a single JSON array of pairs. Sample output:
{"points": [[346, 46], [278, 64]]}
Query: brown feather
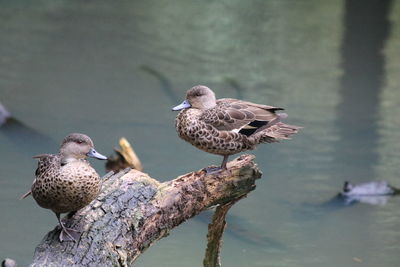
{"points": [[232, 114], [228, 126]]}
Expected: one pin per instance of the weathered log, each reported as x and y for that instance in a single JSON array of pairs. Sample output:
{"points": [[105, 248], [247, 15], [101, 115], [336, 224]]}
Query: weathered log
{"points": [[134, 210]]}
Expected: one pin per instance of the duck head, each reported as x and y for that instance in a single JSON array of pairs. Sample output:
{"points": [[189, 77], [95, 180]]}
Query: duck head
{"points": [[78, 146], [199, 97]]}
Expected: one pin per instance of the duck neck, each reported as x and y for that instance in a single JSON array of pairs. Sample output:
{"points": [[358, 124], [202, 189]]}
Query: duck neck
{"points": [[208, 105], [65, 159]]}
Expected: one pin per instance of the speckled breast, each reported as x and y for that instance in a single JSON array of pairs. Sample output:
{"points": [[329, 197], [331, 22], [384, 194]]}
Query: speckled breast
{"points": [[70, 188]]}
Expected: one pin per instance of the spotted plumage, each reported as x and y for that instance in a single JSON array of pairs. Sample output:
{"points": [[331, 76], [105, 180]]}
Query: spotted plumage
{"points": [[64, 187], [66, 181], [228, 126]]}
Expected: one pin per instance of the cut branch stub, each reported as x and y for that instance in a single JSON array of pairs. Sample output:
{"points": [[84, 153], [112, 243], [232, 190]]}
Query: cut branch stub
{"points": [[125, 157], [134, 210]]}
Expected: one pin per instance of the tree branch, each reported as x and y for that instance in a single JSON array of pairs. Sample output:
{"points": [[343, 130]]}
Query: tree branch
{"points": [[215, 233], [134, 210]]}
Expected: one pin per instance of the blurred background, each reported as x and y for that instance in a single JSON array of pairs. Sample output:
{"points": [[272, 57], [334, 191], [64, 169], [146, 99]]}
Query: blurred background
{"points": [[115, 68]]}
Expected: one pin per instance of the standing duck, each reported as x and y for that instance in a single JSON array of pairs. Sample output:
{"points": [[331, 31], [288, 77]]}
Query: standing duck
{"points": [[66, 181], [228, 126]]}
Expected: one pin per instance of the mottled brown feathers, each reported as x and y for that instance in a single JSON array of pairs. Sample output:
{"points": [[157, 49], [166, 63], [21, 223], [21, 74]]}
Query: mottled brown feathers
{"points": [[64, 188], [230, 114], [66, 181], [228, 126]]}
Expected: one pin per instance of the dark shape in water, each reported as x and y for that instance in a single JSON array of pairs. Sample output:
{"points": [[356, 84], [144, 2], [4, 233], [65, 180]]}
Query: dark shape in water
{"points": [[23, 135], [236, 86], [238, 228], [164, 81], [366, 31]]}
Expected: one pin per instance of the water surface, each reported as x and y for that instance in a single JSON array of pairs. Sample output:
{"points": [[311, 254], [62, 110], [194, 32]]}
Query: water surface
{"points": [[112, 69]]}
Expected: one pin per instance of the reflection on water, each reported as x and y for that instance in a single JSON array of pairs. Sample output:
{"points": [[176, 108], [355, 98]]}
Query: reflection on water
{"points": [[18, 133], [240, 229], [367, 29], [112, 69], [165, 84]]}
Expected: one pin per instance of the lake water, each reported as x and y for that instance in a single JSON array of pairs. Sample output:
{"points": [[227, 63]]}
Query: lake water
{"points": [[115, 68]]}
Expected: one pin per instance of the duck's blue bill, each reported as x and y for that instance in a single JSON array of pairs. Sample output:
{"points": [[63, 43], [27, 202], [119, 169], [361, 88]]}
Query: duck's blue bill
{"points": [[185, 104], [94, 154]]}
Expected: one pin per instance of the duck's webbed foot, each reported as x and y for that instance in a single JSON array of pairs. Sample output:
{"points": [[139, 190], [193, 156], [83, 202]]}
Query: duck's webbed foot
{"points": [[68, 234], [213, 170]]}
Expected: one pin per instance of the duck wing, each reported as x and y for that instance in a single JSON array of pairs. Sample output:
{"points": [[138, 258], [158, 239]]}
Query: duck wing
{"points": [[46, 161], [240, 116]]}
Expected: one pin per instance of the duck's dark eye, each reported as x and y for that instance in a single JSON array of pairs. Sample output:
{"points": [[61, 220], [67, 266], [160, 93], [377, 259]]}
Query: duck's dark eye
{"points": [[79, 141]]}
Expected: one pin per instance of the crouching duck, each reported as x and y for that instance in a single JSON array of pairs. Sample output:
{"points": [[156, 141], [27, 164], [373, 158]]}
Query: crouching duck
{"points": [[228, 126], [66, 181]]}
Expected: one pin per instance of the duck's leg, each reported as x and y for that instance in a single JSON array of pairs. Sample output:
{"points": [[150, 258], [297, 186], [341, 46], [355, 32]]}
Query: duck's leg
{"points": [[213, 170], [224, 161], [71, 213], [67, 234]]}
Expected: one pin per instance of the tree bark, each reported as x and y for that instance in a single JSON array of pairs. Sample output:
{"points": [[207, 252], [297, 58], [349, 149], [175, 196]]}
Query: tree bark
{"points": [[134, 210], [215, 232]]}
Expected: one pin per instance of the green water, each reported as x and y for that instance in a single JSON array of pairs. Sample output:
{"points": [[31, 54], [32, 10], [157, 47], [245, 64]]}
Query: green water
{"points": [[115, 68]]}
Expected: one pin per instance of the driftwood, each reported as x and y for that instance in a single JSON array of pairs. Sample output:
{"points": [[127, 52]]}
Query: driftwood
{"points": [[134, 210]]}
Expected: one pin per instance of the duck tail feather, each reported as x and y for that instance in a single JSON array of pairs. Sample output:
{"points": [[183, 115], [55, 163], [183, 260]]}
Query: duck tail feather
{"points": [[25, 195], [279, 131]]}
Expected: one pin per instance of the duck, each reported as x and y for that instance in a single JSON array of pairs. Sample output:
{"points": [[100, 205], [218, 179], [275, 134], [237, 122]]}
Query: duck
{"points": [[228, 126], [373, 188], [66, 182], [372, 192]]}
